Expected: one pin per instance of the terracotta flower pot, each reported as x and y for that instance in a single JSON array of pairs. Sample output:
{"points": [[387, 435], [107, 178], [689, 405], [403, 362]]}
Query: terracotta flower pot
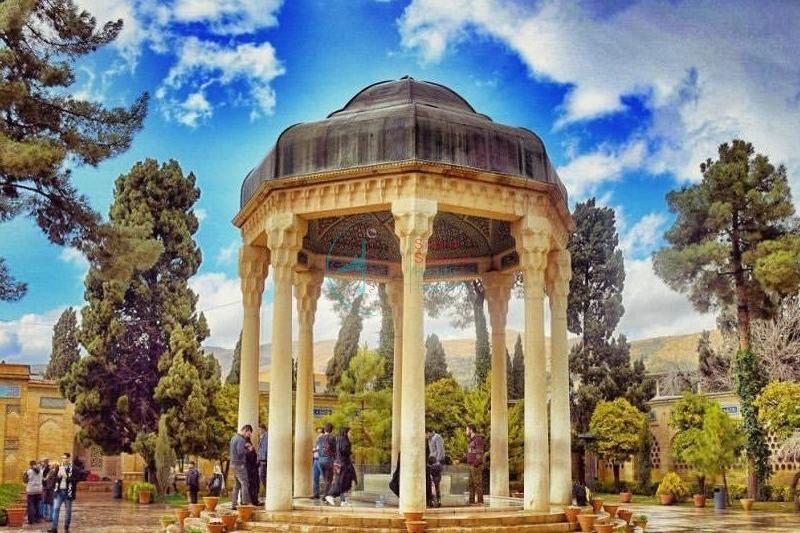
{"points": [[747, 504], [195, 508], [586, 522], [181, 514], [625, 497], [640, 523], [611, 509], [15, 515], [415, 526], [215, 527], [604, 527], [699, 500], [211, 502], [625, 514], [145, 496], [230, 521], [246, 512], [666, 499], [571, 513], [597, 504]]}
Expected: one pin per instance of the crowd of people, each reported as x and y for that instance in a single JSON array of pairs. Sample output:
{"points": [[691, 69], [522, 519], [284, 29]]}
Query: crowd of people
{"points": [[249, 465], [49, 486]]}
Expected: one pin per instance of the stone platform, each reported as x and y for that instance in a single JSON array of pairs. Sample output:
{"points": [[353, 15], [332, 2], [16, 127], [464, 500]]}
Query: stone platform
{"points": [[311, 517]]}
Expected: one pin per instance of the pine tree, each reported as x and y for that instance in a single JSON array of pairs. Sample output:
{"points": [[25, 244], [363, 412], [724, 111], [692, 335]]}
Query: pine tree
{"points": [[386, 337], [164, 456], [346, 345], [714, 367], [435, 360], [45, 126], [509, 374], [516, 383], [140, 326], [236, 363], [66, 350], [730, 242]]}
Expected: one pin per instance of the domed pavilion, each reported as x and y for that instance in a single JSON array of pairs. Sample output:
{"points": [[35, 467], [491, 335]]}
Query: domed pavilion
{"points": [[408, 184]]}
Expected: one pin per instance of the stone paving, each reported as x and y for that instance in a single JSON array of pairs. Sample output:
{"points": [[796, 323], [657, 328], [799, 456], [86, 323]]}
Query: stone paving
{"points": [[102, 514]]}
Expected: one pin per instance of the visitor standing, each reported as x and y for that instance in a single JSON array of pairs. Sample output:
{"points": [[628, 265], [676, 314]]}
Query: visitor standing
{"points": [[237, 454], [193, 481], [49, 474], [66, 488], [436, 445], [251, 463], [343, 470], [316, 470], [263, 448], [217, 482], [476, 448], [327, 455], [33, 490]]}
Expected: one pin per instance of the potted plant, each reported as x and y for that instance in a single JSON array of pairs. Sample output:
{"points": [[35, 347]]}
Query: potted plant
{"points": [[229, 519], [625, 496], [15, 514], [604, 526], [597, 504], [245, 512], [586, 521], [571, 513], [611, 509], [747, 503], [671, 489], [211, 502], [195, 509], [215, 525], [640, 521], [167, 520], [145, 492], [181, 514], [625, 514]]}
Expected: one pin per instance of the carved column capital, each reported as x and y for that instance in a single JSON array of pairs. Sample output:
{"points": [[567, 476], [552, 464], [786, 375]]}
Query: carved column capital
{"points": [[285, 232], [413, 224], [497, 287], [253, 267], [307, 288], [558, 276], [532, 235]]}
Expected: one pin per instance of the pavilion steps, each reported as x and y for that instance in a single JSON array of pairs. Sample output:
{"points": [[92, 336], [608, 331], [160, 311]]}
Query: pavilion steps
{"points": [[354, 521]]}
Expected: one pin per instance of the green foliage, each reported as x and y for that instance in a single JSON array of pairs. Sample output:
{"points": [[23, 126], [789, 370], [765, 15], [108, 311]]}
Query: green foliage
{"points": [[141, 319], [66, 350], [346, 345], [516, 381], [673, 484], [714, 449], [223, 425], [47, 130], [365, 408], [618, 428], [749, 380], [435, 360], [236, 363], [9, 493], [643, 459], [476, 409], [141, 486], [516, 440], [444, 411], [164, 456], [778, 407], [777, 264], [386, 337]]}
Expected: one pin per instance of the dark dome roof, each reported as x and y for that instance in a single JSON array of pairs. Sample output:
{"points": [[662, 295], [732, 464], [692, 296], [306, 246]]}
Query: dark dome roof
{"points": [[404, 120]]}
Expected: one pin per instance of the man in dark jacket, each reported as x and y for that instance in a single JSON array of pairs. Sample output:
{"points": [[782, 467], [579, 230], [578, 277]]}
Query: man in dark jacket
{"points": [[474, 458], [67, 478], [237, 455], [193, 481], [251, 463]]}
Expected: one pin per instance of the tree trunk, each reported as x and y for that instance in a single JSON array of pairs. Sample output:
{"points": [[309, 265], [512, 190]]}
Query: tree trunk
{"points": [[742, 303], [725, 484], [616, 477], [793, 492], [752, 479], [701, 485]]}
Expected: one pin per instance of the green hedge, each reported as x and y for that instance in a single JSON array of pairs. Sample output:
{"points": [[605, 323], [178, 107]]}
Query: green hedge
{"points": [[9, 493]]}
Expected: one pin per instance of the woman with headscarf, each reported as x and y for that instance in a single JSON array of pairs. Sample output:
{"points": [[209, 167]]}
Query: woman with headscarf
{"points": [[343, 470], [217, 482], [251, 464]]}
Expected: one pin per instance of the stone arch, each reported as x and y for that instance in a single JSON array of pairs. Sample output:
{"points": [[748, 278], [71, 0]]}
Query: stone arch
{"points": [[49, 439], [11, 473], [13, 422]]}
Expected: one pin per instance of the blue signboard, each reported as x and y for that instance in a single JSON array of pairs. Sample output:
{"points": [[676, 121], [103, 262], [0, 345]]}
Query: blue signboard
{"points": [[9, 390]]}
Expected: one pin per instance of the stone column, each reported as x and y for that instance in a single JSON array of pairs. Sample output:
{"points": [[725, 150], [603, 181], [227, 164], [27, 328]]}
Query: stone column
{"points": [[285, 233], [306, 290], [532, 237], [253, 266], [394, 290], [413, 224], [498, 290], [559, 272]]}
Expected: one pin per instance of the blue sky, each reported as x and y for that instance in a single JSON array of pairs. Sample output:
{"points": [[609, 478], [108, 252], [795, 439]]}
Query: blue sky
{"points": [[628, 99]]}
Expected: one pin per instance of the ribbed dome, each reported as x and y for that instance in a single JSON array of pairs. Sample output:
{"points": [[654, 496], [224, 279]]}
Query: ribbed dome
{"points": [[404, 120]]}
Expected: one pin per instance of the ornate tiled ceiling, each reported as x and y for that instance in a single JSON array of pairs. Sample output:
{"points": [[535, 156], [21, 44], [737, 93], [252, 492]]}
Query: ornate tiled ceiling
{"points": [[371, 236]]}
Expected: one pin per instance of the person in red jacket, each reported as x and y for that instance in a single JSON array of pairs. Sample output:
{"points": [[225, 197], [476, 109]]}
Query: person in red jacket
{"points": [[476, 447]]}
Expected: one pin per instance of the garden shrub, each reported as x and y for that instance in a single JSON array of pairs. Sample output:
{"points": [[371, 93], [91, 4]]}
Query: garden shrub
{"points": [[673, 484], [737, 491]]}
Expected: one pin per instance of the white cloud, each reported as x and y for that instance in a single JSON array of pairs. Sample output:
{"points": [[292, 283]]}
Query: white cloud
{"points": [[229, 253], [584, 174], [201, 214], [642, 236], [202, 64], [133, 33], [229, 17], [29, 338], [707, 74], [74, 257]]}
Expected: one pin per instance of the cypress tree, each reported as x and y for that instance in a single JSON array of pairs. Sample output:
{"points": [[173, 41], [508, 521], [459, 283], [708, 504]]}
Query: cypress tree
{"points": [[516, 384], [45, 126], [66, 350], [346, 345], [435, 360], [386, 338], [233, 373], [140, 326], [483, 350]]}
